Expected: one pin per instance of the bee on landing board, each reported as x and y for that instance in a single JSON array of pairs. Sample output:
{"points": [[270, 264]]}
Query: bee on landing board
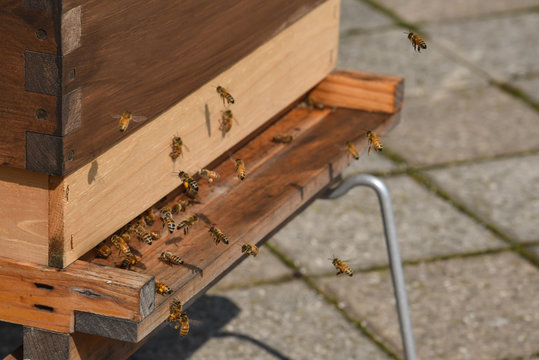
{"points": [[217, 235], [374, 142], [149, 217], [249, 249], [240, 169], [170, 259], [126, 118], [187, 223], [161, 288], [181, 205], [127, 262], [121, 244], [191, 186], [352, 150], [225, 95], [417, 42], [209, 175], [168, 221], [142, 234], [225, 123], [176, 146], [341, 267], [283, 138], [103, 251]]}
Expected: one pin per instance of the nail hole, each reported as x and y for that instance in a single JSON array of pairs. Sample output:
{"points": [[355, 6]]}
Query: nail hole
{"points": [[44, 308], [41, 34], [41, 114], [71, 74], [44, 286], [71, 155]]}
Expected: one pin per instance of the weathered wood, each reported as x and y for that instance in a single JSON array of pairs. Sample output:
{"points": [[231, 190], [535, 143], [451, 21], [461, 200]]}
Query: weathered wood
{"points": [[46, 298], [360, 91], [15, 354]]}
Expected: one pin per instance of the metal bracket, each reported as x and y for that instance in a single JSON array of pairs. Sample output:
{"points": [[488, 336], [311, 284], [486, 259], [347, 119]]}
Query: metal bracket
{"points": [[393, 252]]}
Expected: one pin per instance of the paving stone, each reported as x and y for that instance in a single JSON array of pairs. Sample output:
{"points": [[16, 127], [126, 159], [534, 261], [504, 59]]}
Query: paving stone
{"points": [[503, 46], [476, 308], [375, 162], [351, 228], [359, 16], [463, 125], [389, 52], [534, 250], [10, 338], [264, 267], [433, 11], [529, 86], [504, 192], [285, 321]]}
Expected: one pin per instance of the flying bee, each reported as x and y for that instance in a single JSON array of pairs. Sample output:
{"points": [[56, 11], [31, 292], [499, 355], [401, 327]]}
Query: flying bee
{"points": [[161, 288], [341, 267], [217, 235], [225, 124], [249, 249], [209, 174], [149, 217], [126, 118], [240, 169], [187, 223], [225, 95], [127, 262], [176, 308], [180, 206], [176, 146], [103, 251], [283, 138], [191, 186], [374, 142], [170, 259], [178, 317], [184, 324], [352, 150], [417, 42], [121, 244]]}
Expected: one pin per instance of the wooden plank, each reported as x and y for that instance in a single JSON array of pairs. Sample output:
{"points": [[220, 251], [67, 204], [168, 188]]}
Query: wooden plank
{"points": [[46, 298], [360, 91], [263, 83], [280, 179]]}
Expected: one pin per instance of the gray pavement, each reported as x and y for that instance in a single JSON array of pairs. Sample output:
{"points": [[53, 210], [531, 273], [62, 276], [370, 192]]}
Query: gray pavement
{"points": [[463, 171]]}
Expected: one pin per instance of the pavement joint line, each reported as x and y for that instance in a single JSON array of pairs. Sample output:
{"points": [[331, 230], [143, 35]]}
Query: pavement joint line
{"points": [[523, 357], [357, 323]]}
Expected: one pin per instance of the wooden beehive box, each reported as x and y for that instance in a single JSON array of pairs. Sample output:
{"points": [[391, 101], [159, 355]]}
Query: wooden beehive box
{"points": [[69, 177]]}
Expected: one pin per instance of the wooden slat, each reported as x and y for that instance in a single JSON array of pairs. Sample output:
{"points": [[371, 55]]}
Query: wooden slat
{"points": [[360, 91]]}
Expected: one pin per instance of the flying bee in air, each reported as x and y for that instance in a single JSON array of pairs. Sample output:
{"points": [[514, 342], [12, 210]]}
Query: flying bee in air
{"points": [[240, 169], [352, 150], [184, 324], [187, 223], [170, 259], [217, 235], [225, 123], [126, 118], [191, 186], [249, 249], [161, 288], [225, 95], [374, 142], [209, 175], [341, 267], [178, 317], [417, 42], [103, 251], [177, 145], [283, 138]]}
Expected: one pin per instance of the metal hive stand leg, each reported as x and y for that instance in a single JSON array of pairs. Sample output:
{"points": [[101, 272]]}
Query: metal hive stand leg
{"points": [[392, 251]]}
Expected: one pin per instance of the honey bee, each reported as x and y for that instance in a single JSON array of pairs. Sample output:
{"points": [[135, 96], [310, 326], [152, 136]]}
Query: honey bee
{"points": [[176, 308], [142, 234], [249, 249], [177, 145], [225, 124], [341, 267], [170, 259], [352, 150], [240, 169], [161, 288], [178, 317], [209, 174], [191, 186], [149, 217], [103, 251], [127, 262], [155, 235], [184, 324], [225, 95], [126, 118], [180, 206], [185, 224], [168, 221], [121, 244], [218, 235], [416, 41], [374, 142], [283, 138]]}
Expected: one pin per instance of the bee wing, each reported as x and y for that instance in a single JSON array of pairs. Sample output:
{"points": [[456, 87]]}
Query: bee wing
{"points": [[138, 119], [115, 116]]}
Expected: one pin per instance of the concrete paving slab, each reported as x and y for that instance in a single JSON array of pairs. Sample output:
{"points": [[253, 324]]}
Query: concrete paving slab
{"points": [[285, 321], [476, 308], [360, 16], [463, 125], [440, 10], [529, 86], [389, 52], [375, 162], [503, 46], [351, 228], [534, 250], [503, 192]]}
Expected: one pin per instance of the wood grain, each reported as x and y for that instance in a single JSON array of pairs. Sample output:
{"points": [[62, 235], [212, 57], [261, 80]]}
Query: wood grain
{"points": [[360, 91]]}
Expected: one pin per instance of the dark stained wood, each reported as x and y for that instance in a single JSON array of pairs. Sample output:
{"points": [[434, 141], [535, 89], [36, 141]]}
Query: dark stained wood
{"points": [[44, 153], [15, 354], [45, 345]]}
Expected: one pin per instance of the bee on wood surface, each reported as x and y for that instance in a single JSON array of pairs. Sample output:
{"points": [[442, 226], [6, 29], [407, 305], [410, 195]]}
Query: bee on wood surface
{"points": [[161, 288], [142, 234], [283, 138], [184, 324], [176, 146], [225, 123], [374, 142], [178, 317], [225, 95], [180, 206], [341, 267], [168, 221], [416, 41], [170, 259], [352, 150], [249, 249], [217, 235], [121, 244], [187, 223], [127, 262], [103, 250], [149, 217], [209, 175], [126, 118], [191, 186], [240, 169]]}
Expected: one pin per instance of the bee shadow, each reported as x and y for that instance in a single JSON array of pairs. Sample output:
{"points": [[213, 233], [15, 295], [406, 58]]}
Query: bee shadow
{"points": [[194, 269], [205, 219], [208, 119], [174, 240]]}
